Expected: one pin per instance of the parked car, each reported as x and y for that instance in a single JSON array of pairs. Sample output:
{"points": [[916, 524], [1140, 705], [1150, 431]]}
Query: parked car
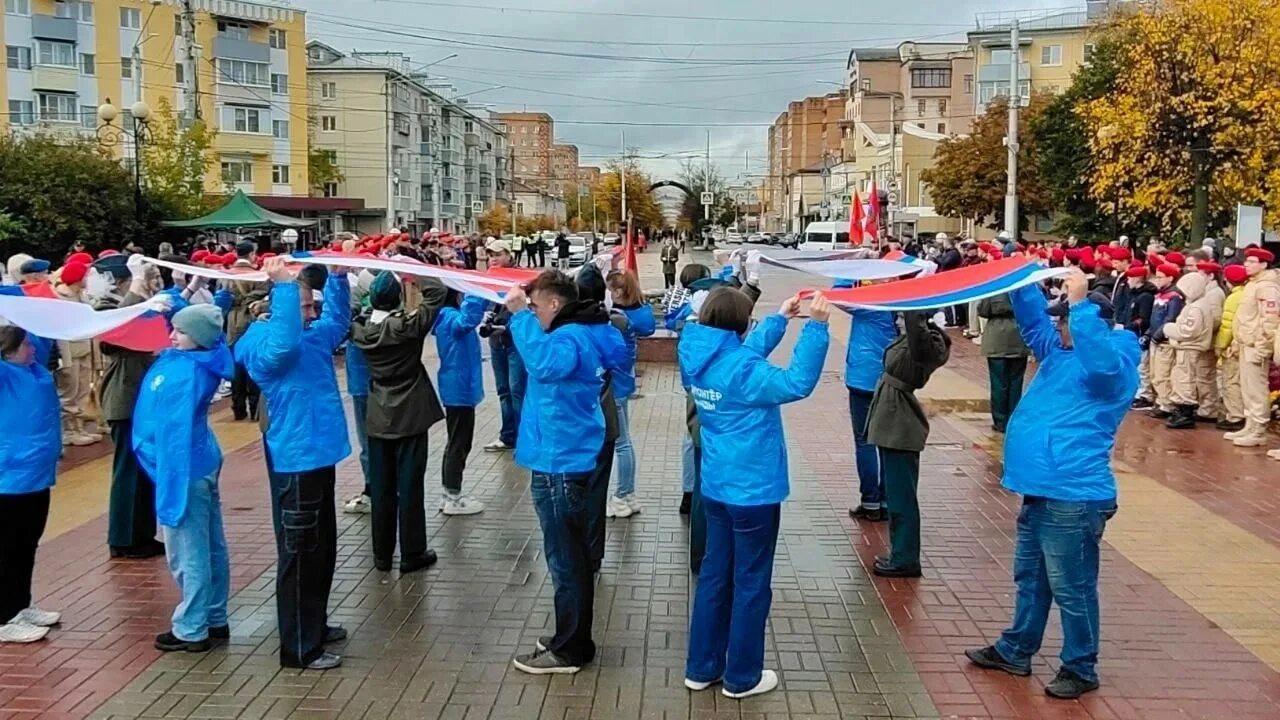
{"points": [[759, 239], [825, 236], [579, 250], [788, 240], [732, 235], [611, 239]]}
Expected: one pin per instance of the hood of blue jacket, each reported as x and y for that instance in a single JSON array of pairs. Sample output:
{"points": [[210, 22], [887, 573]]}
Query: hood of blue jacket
{"points": [[700, 345], [217, 360]]}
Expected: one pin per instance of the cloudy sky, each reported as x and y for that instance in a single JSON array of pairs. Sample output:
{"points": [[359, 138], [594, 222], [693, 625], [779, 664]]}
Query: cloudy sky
{"points": [[665, 72]]}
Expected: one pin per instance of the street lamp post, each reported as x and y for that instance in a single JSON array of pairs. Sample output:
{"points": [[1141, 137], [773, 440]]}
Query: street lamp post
{"points": [[139, 132]]}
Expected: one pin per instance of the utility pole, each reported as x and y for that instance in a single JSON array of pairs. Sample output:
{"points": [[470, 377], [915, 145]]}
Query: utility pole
{"points": [[511, 185], [192, 69], [1015, 101], [893, 162], [623, 178]]}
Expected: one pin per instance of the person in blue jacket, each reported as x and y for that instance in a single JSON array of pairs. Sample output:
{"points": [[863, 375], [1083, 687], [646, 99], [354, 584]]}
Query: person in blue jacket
{"points": [[637, 322], [1058, 457], [562, 431], [461, 390], [739, 395], [289, 354], [870, 334], [30, 444], [175, 445]]}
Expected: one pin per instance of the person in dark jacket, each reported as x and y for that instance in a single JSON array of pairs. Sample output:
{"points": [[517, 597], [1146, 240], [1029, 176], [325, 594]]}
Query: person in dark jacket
{"points": [[403, 406], [1006, 358], [1134, 300], [1160, 354], [245, 394], [898, 426], [562, 252]]}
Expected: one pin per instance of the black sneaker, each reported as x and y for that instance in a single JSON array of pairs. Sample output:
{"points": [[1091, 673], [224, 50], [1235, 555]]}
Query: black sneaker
{"points": [[1230, 425], [544, 662], [989, 658], [141, 551], [334, 633], [865, 513], [544, 642], [1160, 414], [221, 632], [884, 569], [422, 562], [1141, 404], [1069, 686], [686, 501], [168, 642]]}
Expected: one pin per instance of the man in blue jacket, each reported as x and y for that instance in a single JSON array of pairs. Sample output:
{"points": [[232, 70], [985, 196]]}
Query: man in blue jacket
{"points": [[562, 430], [1058, 457], [289, 354]]}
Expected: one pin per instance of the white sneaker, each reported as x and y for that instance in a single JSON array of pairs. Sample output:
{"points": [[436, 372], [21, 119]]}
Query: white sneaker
{"points": [[37, 617], [617, 507], [80, 439], [632, 502], [497, 446], [19, 632], [1233, 434], [1250, 440], [1273, 454], [768, 681], [698, 686], [358, 505], [461, 505]]}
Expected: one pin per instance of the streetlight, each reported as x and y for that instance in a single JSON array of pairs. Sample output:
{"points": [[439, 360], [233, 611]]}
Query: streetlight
{"points": [[139, 132], [477, 92]]}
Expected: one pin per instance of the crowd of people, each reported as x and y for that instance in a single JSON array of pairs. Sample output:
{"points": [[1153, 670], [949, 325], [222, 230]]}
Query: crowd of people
{"points": [[1116, 332]]}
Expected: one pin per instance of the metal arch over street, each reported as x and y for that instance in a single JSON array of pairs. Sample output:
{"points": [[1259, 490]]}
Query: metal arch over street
{"points": [[670, 183]]}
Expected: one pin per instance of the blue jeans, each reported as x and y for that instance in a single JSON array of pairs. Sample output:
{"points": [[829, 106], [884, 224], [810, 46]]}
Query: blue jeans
{"points": [[688, 464], [1056, 560], [731, 605], [624, 454], [509, 377], [563, 504], [197, 553], [360, 409], [866, 456]]}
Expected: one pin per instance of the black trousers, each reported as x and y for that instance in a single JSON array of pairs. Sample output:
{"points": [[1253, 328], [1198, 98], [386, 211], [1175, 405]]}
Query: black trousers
{"points": [[668, 279], [956, 315], [1007, 374], [542, 257], [24, 517], [517, 255], [697, 516], [598, 500], [244, 394], [131, 505], [461, 423], [396, 475], [901, 470], [306, 526]]}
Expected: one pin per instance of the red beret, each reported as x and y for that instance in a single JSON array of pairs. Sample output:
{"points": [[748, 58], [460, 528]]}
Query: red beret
{"points": [[1235, 274], [1176, 258], [1262, 254], [1120, 253], [367, 251], [200, 256], [80, 257], [266, 255], [108, 253], [1136, 271], [1168, 269], [1212, 268], [229, 259], [1087, 262], [1154, 258], [1058, 254], [74, 272]]}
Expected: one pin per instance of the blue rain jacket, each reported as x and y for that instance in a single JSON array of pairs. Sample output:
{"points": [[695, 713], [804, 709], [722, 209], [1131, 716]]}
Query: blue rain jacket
{"points": [[1060, 438], [640, 323], [561, 422], [171, 435], [738, 395], [357, 371], [30, 425], [306, 426], [871, 333], [460, 381]]}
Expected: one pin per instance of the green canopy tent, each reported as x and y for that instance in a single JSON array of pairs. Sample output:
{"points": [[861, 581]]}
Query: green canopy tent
{"points": [[240, 213]]}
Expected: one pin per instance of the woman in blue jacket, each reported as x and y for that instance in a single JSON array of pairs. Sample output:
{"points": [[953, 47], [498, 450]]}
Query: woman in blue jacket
{"points": [[637, 322], [30, 443], [461, 390], [738, 394], [175, 445]]}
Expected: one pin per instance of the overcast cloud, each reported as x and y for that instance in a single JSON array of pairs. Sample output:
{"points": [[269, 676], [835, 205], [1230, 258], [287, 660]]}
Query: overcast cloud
{"points": [[730, 75]]}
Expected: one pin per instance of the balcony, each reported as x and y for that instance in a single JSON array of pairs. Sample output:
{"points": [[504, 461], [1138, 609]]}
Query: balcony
{"points": [[449, 183], [1000, 72], [55, 78], [486, 179], [471, 138], [48, 27], [244, 143], [472, 187], [225, 46]]}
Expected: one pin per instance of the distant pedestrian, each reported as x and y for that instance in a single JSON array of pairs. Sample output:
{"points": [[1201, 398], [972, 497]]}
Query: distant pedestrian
{"points": [[562, 252], [670, 256]]}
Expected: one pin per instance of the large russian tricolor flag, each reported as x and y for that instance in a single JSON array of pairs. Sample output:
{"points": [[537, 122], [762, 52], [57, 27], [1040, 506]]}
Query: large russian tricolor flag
{"points": [[954, 287]]}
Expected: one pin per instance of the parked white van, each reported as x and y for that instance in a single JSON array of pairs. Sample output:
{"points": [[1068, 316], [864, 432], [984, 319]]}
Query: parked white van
{"points": [[825, 236]]}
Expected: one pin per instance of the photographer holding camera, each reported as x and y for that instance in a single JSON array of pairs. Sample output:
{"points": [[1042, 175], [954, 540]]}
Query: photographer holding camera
{"points": [[508, 369]]}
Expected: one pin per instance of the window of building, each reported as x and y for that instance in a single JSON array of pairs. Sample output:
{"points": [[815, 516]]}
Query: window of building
{"points": [[328, 90], [130, 18], [330, 189], [50, 52], [1003, 56], [279, 84], [58, 107], [244, 72], [237, 171], [17, 7], [1051, 55], [88, 66], [280, 174], [280, 129], [177, 25], [126, 68], [86, 11], [920, 125], [1044, 223], [328, 123], [22, 112], [942, 106], [88, 117], [968, 84], [942, 128], [276, 38], [179, 72], [931, 78], [1088, 52], [243, 119], [921, 107], [63, 9], [17, 57], [236, 30]]}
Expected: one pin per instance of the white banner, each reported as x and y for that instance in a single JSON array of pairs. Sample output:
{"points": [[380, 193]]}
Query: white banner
{"points": [[64, 319]]}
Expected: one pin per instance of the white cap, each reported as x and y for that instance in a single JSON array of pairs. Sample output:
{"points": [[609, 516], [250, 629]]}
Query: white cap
{"points": [[1004, 235], [941, 236]]}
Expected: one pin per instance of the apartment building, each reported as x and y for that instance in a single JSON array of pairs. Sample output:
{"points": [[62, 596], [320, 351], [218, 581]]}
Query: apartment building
{"points": [[64, 58], [588, 175], [564, 165], [807, 133], [531, 135], [417, 157]]}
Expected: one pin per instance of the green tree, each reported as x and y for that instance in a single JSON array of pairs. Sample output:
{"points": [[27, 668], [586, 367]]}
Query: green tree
{"points": [[174, 164], [640, 203], [322, 165], [59, 189], [699, 178]]}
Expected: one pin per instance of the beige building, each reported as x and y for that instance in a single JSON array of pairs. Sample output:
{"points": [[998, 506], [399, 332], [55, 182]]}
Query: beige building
{"points": [[564, 165], [532, 135], [808, 133], [588, 175], [531, 201]]}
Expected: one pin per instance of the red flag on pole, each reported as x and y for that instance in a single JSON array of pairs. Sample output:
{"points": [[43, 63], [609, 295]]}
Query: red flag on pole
{"points": [[629, 262], [873, 217], [856, 221]]}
